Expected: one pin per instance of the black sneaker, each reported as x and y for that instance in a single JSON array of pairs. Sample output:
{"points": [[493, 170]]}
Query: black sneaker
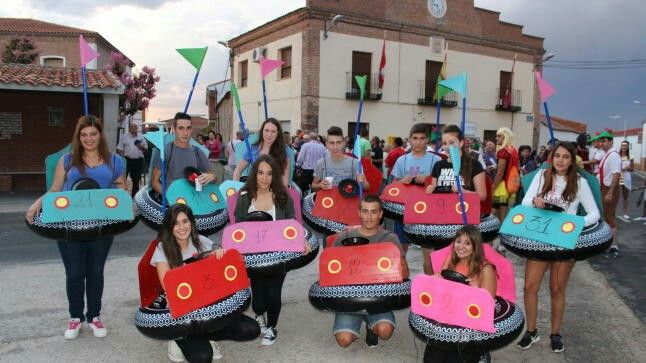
{"points": [[485, 358], [613, 251], [557, 343], [528, 339], [372, 339]]}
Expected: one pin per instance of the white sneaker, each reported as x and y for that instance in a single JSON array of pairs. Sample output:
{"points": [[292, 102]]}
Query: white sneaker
{"points": [[270, 336], [174, 353], [626, 216], [217, 354], [639, 219], [73, 329], [97, 328], [262, 323]]}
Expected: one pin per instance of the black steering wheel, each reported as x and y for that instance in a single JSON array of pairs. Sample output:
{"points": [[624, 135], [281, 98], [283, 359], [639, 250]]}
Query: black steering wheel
{"points": [[354, 241], [553, 208], [258, 216], [349, 188], [454, 276], [85, 183], [189, 174], [197, 257]]}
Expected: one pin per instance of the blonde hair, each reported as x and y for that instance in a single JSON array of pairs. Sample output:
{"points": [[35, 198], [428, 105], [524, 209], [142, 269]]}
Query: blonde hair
{"points": [[508, 137]]}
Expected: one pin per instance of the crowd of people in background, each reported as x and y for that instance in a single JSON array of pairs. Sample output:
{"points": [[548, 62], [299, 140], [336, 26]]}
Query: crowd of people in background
{"points": [[497, 157]]}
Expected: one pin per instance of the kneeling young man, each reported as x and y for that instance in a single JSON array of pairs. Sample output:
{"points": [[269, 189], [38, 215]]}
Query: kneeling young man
{"points": [[347, 326]]}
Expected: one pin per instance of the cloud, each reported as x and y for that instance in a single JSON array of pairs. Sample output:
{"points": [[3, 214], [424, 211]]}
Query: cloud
{"points": [[587, 30], [148, 31], [80, 7]]}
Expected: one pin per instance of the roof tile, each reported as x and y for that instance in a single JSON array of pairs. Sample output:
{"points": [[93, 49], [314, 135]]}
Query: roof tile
{"points": [[33, 26], [53, 76]]}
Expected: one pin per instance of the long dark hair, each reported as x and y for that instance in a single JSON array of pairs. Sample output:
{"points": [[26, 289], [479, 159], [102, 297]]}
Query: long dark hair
{"points": [[77, 147], [465, 159], [277, 149], [572, 178], [277, 188], [627, 149], [165, 235], [477, 259]]}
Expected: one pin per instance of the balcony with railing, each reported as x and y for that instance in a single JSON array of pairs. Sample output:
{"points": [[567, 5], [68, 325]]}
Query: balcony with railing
{"points": [[373, 92], [516, 101], [427, 93]]}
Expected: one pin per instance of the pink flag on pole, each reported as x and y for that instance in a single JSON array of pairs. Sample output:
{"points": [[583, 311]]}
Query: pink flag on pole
{"points": [[544, 88], [87, 53], [268, 65]]}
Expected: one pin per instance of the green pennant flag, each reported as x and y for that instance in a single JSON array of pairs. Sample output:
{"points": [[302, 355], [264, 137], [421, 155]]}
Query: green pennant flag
{"points": [[441, 90], [361, 81], [195, 56], [236, 98]]}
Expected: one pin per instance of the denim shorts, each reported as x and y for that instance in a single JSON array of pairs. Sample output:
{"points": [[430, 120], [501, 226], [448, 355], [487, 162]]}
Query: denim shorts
{"points": [[351, 322]]}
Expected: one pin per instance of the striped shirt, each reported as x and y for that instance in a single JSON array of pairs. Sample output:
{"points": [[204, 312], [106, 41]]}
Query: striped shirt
{"points": [[311, 152]]}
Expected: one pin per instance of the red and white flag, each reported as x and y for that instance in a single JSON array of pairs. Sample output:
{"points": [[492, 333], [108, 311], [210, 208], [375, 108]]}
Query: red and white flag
{"points": [[382, 66]]}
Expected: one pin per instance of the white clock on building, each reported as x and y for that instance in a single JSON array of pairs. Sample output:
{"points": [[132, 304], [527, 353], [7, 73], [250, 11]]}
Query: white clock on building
{"points": [[437, 8]]}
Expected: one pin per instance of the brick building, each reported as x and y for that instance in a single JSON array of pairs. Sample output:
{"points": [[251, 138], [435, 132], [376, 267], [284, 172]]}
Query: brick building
{"points": [[315, 89], [220, 109], [41, 102]]}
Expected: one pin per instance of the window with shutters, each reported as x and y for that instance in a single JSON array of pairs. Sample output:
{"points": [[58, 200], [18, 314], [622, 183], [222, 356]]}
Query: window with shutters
{"points": [[243, 73], [285, 55]]}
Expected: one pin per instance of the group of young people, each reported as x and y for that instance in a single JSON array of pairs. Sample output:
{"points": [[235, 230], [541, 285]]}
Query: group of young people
{"points": [[266, 168]]}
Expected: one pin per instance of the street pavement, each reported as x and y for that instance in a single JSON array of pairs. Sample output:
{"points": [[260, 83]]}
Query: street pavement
{"points": [[628, 272], [604, 320]]}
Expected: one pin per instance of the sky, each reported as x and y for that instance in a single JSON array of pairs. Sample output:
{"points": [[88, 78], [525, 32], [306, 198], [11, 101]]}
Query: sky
{"points": [[148, 31]]}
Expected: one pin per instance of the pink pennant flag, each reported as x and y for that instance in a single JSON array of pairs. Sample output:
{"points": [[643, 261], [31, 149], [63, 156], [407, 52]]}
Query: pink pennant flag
{"points": [[544, 88], [268, 65], [87, 53]]}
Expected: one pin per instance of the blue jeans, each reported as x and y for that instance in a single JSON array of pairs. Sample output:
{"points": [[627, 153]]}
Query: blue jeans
{"points": [[351, 322], [84, 262]]}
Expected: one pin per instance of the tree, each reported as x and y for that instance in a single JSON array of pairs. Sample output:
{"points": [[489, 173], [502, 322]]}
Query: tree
{"points": [[140, 88], [20, 50]]}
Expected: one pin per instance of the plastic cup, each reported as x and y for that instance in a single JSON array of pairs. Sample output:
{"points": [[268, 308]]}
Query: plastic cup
{"points": [[198, 185], [329, 179]]}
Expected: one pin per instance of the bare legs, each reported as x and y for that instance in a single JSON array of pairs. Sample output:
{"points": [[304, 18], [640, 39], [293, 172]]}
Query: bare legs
{"points": [[559, 277], [384, 330]]}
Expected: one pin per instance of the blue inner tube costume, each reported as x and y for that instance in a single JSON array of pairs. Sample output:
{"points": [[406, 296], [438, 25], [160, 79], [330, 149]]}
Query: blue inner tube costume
{"points": [[151, 212], [594, 239], [441, 235], [83, 230], [155, 321], [508, 321]]}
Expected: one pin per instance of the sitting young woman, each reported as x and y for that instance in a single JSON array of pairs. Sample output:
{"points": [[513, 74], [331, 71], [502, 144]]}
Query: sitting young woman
{"points": [[265, 192], [179, 241], [558, 187], [466, 258]]}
